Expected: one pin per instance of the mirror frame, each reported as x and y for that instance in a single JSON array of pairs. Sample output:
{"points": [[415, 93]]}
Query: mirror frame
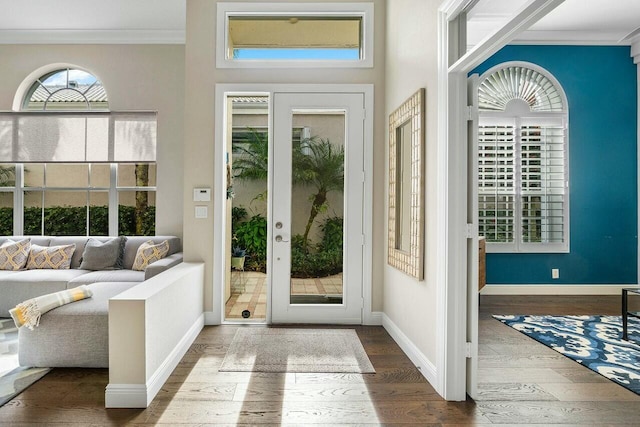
{"points": [[411, 111]]}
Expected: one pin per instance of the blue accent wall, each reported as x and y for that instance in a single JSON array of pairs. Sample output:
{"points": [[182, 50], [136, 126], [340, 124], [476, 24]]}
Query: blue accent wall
{"points": [[601, 87]]}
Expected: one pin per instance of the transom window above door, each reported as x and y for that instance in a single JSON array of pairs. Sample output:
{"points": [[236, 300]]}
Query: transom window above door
{"points": [[523, 179], [252, 35]]}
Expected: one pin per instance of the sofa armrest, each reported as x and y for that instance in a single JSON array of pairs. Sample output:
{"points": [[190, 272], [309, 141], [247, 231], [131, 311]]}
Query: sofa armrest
{"points": [[162, 265]]}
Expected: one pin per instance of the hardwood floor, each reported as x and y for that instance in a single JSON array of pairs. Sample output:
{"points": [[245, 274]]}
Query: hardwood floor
{"points": [[521, 383]]}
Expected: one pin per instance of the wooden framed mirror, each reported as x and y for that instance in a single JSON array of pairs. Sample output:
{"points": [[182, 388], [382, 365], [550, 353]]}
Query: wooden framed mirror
{"points": [[406, 186]]}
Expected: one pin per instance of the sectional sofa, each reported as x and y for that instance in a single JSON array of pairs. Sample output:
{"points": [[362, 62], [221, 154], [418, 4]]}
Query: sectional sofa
{"points": [[76, 334]]}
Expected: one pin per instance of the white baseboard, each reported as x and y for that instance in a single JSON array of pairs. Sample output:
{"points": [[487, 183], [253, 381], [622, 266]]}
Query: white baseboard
{"points": [[210, 319], [373, 318], [548, 289], [126, 396], [141, 395], [427, 369]]}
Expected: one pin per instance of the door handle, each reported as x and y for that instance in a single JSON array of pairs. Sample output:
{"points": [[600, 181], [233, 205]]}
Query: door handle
{"points": [[279, 239]]}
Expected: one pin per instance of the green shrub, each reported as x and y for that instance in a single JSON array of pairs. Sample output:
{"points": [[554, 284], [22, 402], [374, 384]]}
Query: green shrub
{"points": [[71, 221], [318, 264], [332, 232], [6, 221], [127, 221], [238, 214], [320, 260], [251, 235]]}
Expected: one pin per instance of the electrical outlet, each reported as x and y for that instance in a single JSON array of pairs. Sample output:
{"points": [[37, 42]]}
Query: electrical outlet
{"points": [[555, 273]]}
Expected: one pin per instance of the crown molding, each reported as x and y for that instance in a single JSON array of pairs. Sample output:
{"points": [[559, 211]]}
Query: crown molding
{"points": [[608, 38], [578, 38], [92, 36]]}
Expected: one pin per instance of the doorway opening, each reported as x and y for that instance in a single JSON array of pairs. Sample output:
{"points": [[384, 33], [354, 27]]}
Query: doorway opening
{"points": [[291, 205], [247, 160]]}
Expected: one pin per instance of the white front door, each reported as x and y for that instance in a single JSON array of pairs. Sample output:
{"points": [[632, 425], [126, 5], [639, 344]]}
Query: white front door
{"points": [[316, 194]]}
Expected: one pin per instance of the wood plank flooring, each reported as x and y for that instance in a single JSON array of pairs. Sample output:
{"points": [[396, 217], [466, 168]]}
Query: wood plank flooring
{"points": [[521, 383]]}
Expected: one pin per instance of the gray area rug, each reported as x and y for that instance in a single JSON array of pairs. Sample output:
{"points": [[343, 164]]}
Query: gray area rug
{"points": [[256, 349], [13, 378]]}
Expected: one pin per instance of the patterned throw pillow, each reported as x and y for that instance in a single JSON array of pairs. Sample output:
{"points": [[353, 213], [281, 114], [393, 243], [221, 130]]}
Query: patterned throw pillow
{"points": [[149, 253], [52, 257], [13, 255]]}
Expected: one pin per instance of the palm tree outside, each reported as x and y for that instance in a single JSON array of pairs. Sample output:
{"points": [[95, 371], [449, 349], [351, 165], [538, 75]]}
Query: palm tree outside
{"points": [[317, 163], [7, 176], [322, 169]]}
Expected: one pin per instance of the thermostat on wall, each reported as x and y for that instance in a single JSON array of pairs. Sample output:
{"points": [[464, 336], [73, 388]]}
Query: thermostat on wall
{"points": [[201, 194]]}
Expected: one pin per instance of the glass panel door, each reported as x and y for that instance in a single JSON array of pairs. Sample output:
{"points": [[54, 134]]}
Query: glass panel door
{"points": [[317, 208]]}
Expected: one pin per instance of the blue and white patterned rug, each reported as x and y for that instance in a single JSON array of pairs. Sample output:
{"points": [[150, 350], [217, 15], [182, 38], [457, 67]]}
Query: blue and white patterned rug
{"points": [[13, 378], [593, 341]]}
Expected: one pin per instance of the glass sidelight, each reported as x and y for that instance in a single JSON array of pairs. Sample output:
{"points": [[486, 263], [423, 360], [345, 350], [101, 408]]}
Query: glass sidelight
{"points": [[247, 171]]}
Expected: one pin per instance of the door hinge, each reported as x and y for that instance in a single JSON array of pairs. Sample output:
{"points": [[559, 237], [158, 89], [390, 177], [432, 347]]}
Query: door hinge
{"points": [[470, 231], [364, 176], [363, 240], [467, 350], [470, 112]]}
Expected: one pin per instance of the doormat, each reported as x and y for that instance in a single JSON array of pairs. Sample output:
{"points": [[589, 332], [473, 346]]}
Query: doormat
{"points": [[14, 378], [296, 350], [593, 341]]}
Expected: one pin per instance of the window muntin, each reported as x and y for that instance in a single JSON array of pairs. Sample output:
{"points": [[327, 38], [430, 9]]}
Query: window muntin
{"points": [[7, 189], [522, 162], [75, 199], [67, 89], [294, 35]]}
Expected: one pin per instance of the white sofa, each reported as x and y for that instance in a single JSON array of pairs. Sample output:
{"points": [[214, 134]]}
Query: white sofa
{"points": [[19, 286], [77, 334]]}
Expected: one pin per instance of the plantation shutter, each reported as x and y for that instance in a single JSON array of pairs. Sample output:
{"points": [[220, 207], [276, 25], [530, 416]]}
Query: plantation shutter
{"points": [[523, 160], [543, 182], [496, 173], [96, 137]]}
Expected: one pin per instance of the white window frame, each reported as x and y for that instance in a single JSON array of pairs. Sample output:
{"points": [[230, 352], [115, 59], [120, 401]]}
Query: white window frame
{"points": [[362, 10], [549, 118], [113, 190]]}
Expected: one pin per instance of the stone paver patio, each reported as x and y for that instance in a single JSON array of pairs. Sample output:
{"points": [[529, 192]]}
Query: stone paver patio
{"points": [[249, 292]]}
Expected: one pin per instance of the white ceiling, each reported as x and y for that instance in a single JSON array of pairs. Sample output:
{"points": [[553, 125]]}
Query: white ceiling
{"points": [[92, 21], [572, 22], [163, 21]]}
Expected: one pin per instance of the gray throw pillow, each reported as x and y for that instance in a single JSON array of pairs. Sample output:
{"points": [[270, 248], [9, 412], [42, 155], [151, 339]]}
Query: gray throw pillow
{"points": [[103, 256]]}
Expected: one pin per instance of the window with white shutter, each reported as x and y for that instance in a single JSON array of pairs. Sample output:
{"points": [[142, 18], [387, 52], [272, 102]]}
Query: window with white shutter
{"points": [[523, 161]]}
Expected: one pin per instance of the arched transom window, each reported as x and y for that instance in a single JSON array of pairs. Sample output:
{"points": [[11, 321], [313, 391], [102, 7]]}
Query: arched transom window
{"points": [[67, 89], [523, 160]]}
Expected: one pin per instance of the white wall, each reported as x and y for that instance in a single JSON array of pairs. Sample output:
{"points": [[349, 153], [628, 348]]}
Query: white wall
{"points": [[201, 78], [411, 63], [136, 77], [151, 327]]}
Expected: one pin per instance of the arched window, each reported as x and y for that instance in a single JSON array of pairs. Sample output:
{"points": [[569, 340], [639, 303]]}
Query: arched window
{"points": [[76, 168], [523, 160], [68, 89]]}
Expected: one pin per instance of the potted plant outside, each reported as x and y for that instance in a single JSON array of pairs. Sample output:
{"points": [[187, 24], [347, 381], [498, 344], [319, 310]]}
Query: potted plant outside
{"points": [[237, 257]]}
